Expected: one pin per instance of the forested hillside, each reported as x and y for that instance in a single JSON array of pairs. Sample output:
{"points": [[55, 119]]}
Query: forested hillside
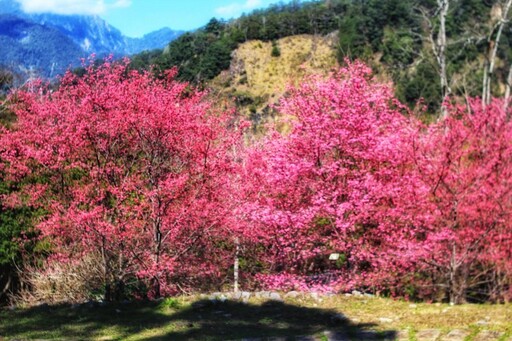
{"points": [[397, 38]]}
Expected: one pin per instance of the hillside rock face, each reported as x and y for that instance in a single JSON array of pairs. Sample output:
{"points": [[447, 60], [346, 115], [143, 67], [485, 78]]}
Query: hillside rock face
{"points": [[47, 44]]}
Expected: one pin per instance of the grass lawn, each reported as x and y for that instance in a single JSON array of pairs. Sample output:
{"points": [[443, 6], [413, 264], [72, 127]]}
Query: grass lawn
{"points": [[188, 318]]}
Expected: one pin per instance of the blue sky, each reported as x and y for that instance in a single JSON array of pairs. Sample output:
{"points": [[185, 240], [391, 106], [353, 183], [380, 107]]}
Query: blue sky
{"points": [[136, 17]]}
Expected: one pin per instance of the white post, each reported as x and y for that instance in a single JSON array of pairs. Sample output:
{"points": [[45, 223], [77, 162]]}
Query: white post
{"points": [[236, 265]]}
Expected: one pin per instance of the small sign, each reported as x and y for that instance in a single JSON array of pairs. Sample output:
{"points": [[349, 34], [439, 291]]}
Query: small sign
{"points": [[334, 256]]}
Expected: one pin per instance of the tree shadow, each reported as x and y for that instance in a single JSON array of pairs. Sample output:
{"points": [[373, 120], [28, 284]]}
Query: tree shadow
{"points": [[203, 320]]}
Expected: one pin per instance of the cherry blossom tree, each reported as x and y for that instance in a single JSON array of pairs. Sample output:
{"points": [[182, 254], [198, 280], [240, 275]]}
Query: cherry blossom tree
{"points": [[465, 161], [133, 169], [333, 183], [411, 209]]}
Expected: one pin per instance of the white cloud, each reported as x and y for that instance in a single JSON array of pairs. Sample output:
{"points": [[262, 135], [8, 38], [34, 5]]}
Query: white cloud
{"points": [[71, 6], [236, 8], [252, 3]]}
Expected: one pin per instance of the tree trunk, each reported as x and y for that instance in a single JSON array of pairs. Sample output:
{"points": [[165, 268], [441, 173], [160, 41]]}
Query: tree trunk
{"points": [[506, 100], [453, 287], [108, 293], [458, 280], [157, 238], [493, 51], [7, 285], [440, 53], [106, 272], [119, 290]]}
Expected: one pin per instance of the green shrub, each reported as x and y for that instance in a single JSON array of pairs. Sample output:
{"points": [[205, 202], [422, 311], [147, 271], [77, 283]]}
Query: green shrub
{"points": [[276, 52]]}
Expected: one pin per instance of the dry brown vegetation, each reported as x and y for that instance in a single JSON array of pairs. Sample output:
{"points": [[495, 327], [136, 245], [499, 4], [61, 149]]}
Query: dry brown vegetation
{"points": [[262, 79]]}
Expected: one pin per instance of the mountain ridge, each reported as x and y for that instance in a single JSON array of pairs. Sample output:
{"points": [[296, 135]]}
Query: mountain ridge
{"points": [[44, 40]]}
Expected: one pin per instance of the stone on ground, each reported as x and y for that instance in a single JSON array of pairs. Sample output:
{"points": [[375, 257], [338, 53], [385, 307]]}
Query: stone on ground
{"points": [[428, 335], [456, 335], [488, 335]]}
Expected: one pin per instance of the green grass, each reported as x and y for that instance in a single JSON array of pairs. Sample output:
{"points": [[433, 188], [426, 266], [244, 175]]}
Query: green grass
{"points": [[189, 318]]}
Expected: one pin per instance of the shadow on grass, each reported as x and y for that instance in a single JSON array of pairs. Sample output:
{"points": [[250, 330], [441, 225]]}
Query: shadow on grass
{"points": [[203, 320]]}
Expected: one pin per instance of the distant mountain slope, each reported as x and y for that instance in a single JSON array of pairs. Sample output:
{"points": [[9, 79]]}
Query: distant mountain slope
{"points": [[35, 49], [94, 34], [49, 43], [153, 40], [91, 33]]}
